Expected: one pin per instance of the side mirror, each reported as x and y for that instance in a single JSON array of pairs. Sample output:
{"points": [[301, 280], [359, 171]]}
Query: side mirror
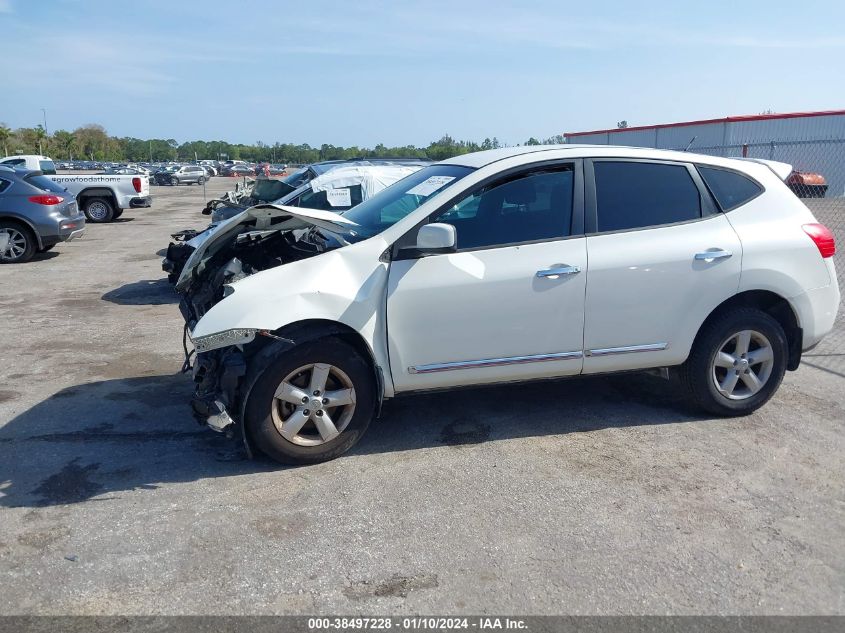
{"points": [[437, 238], [432, 239]]}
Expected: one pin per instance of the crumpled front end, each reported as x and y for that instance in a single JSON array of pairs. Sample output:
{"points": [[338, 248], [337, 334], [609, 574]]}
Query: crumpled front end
{"points": [[218, 376]]}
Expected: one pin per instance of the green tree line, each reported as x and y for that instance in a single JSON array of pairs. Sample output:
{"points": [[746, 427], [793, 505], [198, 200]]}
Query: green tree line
{"points": [[92, 142]]}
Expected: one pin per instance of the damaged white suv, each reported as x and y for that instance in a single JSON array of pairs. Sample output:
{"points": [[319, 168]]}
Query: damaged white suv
{"points": [[517, 264]]}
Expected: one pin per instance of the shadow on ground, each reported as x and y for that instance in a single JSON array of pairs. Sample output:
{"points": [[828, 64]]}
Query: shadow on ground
{"points": [[144, 292], [106, 438]]}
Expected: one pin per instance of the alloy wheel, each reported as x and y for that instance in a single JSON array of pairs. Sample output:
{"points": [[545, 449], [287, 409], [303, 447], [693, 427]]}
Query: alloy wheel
{"points": [[313, 404], [742, 364], [13, 243]]}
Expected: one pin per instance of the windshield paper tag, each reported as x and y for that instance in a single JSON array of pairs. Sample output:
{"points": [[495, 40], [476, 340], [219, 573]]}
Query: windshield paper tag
{"points": [[339, 197], [428, 187]]}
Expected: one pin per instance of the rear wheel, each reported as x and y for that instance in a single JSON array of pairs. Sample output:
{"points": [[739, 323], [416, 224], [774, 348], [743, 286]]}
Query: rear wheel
{"points": [[17, 243], [98, 210], [201, 180], [117, 213], [737, 362], [174, 181], [312, 404]]}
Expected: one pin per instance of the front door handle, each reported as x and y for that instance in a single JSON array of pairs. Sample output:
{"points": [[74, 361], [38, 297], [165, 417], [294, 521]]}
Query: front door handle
{"points": [[557, 271], [709, 256]]}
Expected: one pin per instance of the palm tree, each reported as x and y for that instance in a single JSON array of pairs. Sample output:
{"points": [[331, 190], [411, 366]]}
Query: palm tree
{"points": [[40, 135], [5, 134]]}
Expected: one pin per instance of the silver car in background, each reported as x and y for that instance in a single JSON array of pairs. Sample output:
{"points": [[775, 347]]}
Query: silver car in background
{"points": [[35, 215]]}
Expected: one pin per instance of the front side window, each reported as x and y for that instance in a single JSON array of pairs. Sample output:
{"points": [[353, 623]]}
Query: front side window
{"points": [[402, 198], [524, 208], [634, 195], [728, 187]]}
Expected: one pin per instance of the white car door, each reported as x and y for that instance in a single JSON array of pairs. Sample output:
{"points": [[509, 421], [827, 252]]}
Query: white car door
{"points": [[662, 257], [509, 303]]}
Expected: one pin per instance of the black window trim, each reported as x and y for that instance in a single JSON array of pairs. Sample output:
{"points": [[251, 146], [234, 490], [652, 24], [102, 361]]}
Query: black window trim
{"points": [[576, 230], [698, 166], [709, 208]]}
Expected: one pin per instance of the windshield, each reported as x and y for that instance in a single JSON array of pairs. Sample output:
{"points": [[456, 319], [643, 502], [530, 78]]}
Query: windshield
{"points": [[401, 198]]}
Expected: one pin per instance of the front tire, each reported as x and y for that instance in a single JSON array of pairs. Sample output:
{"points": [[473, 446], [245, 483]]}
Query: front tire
{"points": [[17, 243], [98, 210], [737, 362], [312, 404], [174, 181]]}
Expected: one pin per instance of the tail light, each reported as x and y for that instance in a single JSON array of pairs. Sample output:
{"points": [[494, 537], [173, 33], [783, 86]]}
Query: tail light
{"points": [[822, 238], [47, 199], [136, 182]]}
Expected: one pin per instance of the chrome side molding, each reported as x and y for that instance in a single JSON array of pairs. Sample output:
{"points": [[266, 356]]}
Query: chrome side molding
{"points": [[628, 349], [493, 362]]}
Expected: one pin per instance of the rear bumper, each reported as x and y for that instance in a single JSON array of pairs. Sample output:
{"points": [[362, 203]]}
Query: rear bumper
{"points": [[816, 310], [141, 202], [69, 229]]}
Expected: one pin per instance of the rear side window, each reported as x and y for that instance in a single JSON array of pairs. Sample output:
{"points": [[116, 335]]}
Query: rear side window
{"points": [[633, 195], [4, 184], [728, 187], [47, 166]]}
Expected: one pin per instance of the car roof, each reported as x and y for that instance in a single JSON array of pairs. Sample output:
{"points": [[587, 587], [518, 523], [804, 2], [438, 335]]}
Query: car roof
{"points": [[487, 157]]}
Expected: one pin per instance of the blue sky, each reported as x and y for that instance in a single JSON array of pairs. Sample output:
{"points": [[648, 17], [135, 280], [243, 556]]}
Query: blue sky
{"points": [[358, 72]]}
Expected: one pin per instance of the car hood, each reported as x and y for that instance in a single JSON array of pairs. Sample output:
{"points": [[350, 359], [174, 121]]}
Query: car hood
{"points": [[266, 217]]}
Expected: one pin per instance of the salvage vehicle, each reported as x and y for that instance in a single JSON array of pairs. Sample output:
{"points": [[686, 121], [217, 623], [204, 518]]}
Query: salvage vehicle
{"points": [[338, 190], [35, 215], [806, 184], [509, 265]]}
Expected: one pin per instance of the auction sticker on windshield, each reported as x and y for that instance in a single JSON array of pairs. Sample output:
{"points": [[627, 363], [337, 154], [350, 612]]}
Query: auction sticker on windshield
{"points": [[429, 186]]}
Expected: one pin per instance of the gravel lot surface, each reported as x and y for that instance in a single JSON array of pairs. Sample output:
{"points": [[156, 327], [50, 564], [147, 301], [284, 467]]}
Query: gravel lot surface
{"points": [[589, 496]]}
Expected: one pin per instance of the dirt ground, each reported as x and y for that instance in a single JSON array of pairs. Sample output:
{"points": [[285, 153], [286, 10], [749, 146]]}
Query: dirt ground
{"points": [[587, 496]]}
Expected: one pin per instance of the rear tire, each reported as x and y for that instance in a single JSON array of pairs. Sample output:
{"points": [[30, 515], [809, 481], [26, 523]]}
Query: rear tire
{"points": [[21, 244], [268, 416], [737, 362], [98, 210], [201, 180], [117, 213], [174, 181]]}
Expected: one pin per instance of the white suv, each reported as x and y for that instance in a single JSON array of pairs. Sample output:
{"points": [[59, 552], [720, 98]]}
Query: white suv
{"points": [[508, 265]]}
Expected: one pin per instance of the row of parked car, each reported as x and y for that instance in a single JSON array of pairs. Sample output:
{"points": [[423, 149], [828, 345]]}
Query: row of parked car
{"points": [[312, 299]]}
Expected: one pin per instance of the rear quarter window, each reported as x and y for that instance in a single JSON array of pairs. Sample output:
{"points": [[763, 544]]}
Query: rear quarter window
{"points": [[47, 166], [4, 184], [731, 189]]}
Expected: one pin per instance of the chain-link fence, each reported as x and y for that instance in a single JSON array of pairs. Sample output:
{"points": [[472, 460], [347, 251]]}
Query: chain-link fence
{"points": [[819, 179]]}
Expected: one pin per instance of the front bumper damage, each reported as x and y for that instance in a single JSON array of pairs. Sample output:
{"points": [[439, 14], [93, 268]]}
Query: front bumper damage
{"points": [[218, 376]]}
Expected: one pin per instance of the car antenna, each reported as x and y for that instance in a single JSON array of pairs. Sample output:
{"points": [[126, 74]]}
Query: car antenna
{"points": [[691, 141]]}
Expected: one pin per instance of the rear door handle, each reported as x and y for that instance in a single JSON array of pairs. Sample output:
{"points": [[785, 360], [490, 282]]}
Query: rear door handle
{"points": [[554, 273], [709, 256]]}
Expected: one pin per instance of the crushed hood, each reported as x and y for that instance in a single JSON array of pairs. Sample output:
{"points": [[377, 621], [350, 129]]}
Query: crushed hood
{"points": [[267, 217]]}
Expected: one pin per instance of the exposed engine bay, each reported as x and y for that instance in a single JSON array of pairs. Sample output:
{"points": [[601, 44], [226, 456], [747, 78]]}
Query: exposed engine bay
{"points": [[248, 252]]}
